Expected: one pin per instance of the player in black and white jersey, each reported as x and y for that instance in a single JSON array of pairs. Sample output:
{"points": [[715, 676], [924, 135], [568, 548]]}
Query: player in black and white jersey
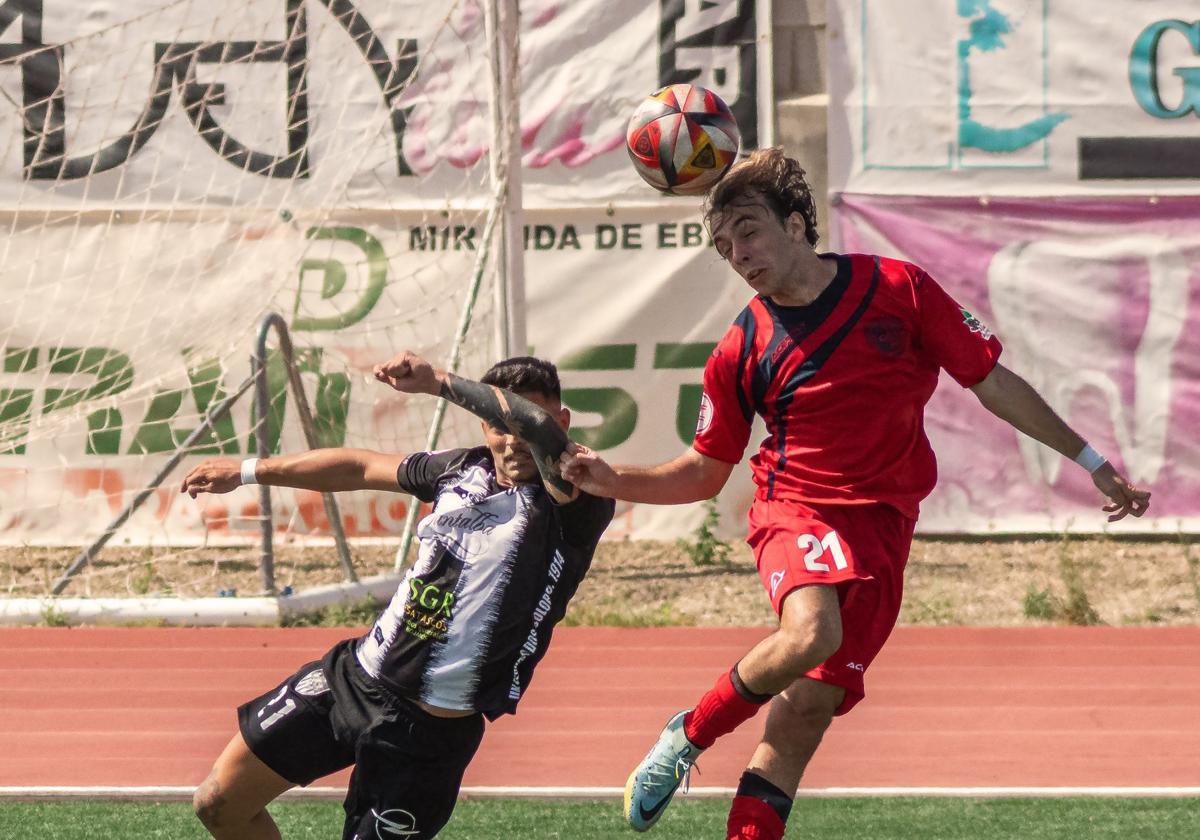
{"points": [[500, 555]]}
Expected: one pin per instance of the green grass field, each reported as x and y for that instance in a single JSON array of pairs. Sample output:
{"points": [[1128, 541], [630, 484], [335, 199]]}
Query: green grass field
{"points": [[694, 819]]}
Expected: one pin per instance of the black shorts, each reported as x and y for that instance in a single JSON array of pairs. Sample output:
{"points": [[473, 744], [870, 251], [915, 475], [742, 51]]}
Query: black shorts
{"points": [[330, 714]]}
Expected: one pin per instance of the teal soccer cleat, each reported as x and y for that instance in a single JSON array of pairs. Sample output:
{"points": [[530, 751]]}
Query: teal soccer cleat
{"points": [[653, 782]]}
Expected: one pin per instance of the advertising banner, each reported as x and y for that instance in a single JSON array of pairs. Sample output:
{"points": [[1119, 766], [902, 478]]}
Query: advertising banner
{"points": [[1014, 97], [342, 103], [628, 303], [1097, 303], [170, 171]]}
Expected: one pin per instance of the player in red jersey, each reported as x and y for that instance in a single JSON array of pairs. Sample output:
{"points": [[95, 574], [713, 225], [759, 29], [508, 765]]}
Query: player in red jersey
{"points": [[838, 354]]}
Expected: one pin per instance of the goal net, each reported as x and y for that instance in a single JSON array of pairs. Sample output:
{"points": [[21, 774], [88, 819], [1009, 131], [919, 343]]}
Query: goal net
{"points": [[171, 171], [185, 168]]}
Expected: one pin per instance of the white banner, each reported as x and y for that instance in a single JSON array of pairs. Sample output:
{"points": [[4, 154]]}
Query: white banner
{"points": [[170, 171], [340, 103], [629, 303], [1014, 97]]}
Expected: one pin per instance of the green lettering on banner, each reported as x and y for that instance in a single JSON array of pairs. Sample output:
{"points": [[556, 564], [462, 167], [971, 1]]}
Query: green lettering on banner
{"points": [[601, 357], [618, 412], [114, 374], [330, 409], [617, 408], [156, 433], [16, 405], [693, 235], [20, 360], [333, 279], [686, 356], [631, 237], [606, 237]]}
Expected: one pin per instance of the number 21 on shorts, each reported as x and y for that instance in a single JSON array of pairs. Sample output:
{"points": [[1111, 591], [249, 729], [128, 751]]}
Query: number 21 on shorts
{"points": [[815, 549]]}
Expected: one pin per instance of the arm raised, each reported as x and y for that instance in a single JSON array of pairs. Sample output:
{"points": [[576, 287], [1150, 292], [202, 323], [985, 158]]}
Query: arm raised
{"points": [[542, 433]]}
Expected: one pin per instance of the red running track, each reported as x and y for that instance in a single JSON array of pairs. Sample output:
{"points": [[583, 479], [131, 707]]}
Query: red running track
{"points": [[951, 707]]}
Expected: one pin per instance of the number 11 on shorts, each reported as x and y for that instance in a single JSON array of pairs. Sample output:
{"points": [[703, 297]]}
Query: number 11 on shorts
{"points": [[288, 705], [815, 548]]}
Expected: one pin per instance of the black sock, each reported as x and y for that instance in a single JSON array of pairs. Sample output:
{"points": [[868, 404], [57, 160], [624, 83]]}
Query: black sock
{"points": [[755, 786], [740, 688]]}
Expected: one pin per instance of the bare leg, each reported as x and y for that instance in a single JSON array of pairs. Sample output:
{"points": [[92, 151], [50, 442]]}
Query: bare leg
{"points": [[810, 631], [232, 801], [795, 725]]}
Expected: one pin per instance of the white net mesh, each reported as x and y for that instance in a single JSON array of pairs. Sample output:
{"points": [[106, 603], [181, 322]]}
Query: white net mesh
{"points": [[186, 167]]}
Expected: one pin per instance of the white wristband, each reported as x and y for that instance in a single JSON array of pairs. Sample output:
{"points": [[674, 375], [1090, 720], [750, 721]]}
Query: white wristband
{"points": [[1089, 458], [248, 467]]}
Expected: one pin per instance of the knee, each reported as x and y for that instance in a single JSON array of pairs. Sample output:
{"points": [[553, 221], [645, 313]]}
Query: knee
{"points": [[208, 804], [796, 726], [813, 640]]}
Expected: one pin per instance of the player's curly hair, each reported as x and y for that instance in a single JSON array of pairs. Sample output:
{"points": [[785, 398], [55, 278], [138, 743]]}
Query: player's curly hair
{"points": [[777, 179], [525, 375]]}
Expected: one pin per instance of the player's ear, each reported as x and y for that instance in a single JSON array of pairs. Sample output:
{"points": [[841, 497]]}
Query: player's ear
{"points": [[564, 417], [796, 227]]}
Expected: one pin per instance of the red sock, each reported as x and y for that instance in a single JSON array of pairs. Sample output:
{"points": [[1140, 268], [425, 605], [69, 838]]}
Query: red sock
{"points": [[753, 819], [720, 711]]}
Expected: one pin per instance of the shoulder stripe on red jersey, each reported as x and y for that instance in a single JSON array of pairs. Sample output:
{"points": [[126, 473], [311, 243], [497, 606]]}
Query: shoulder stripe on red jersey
{"points": [[780, 345], [746, 322], [807, 370]]}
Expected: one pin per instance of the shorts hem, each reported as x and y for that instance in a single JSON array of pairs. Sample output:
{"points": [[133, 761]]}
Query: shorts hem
{"points": [[854, 694], [243, 724]]}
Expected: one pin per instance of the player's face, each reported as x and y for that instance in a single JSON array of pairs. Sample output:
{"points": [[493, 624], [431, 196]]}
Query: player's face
{"points": [[761, 249], [514, 461]]}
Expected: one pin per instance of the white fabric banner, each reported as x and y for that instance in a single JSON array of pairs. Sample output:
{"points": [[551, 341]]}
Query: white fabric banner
{"points": [[173, 170], [628, 303], [1014, 97], [341, 103]]}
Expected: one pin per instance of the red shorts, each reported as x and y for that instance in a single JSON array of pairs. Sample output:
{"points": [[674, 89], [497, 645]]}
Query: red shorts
{"points": [[860, 549]]}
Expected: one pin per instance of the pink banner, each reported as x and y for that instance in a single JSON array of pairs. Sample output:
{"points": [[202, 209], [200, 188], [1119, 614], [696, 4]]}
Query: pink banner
{"points": [[1098, 305]]}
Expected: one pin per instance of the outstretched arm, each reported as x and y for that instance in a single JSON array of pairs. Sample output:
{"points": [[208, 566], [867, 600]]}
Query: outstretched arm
{"points": [[691, 477], [1014, 400], [503, 409], [324, 470]]}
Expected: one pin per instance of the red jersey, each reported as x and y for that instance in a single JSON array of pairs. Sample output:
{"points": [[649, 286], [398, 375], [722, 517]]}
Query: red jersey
{"points": [[842, 385]]}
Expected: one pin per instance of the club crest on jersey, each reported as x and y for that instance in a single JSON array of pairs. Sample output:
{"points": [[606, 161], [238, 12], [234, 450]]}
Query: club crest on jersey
{"points": [[705, 417], [974, 324], [887, 335], [313, 683]]}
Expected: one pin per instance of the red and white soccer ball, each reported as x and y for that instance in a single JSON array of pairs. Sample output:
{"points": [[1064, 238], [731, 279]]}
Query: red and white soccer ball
{"points": [[682, 139]]}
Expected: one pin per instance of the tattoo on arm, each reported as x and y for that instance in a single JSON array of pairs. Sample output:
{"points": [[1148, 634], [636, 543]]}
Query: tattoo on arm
{"points": [[527, 420]]}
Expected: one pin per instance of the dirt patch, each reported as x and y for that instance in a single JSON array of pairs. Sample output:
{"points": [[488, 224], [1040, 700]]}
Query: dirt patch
{"points": [[997, 582]]}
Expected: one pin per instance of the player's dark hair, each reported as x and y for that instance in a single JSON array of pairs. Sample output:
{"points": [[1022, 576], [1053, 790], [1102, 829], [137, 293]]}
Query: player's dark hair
{"points": [[774, 178], [525, 375]]}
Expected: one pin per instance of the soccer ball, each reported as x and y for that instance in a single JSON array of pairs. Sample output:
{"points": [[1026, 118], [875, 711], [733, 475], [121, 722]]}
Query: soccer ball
{"points": [[682, 139]]}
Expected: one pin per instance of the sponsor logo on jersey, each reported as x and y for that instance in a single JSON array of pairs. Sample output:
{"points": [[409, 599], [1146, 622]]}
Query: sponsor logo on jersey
{"points": [[313, 683], [855, 666], [705, 417], [776, 579], [974, 324], [394, 822]]}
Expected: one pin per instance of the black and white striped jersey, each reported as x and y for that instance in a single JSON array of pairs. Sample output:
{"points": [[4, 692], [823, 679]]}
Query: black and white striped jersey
{"points": [[494, 572]]}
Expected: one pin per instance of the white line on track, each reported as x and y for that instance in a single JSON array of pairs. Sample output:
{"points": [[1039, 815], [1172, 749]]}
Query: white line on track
{"points": [[183, 792]]}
